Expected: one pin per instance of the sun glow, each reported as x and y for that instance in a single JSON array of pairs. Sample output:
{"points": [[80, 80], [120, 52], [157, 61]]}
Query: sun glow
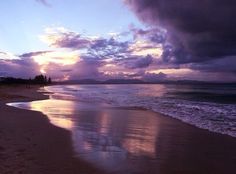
{"points": [[58, 57], [172, 71], [144, 48], [42, 71]]}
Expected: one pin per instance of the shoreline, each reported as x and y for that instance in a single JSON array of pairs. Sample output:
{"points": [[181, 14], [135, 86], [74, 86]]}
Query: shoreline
{"points": [[29, 143], [182, 148], [44, 95]]}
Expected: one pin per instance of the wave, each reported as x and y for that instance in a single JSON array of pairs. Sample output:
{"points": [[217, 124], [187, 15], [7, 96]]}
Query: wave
{"points": [[216, 117]]}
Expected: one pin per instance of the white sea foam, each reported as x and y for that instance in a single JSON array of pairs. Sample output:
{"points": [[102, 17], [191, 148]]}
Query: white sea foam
{"points": [[216, 117]]}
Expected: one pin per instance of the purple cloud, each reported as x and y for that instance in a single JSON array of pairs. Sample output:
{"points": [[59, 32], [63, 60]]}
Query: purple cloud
{"points": [[198, 30], [137, 62], [155, 35], [107, 48], [31, 54], [23, 68], [61, 38]]}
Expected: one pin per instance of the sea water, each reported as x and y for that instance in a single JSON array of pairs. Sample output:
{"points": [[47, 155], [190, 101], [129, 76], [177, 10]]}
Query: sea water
{"points": [[206, 106], [119, 141]]}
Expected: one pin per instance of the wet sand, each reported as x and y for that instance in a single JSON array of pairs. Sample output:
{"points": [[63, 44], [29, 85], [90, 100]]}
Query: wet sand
{"points": [[156, 144], [184, 149], [30, 144]]}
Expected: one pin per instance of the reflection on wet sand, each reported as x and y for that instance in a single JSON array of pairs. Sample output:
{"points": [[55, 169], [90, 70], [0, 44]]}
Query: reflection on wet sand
{"points": [[59, 112], [131, 140], [143, 140], [111, 138]]}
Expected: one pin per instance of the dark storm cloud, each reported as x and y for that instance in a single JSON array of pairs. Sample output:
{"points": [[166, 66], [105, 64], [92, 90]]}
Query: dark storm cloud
{"points": [[226, 65], [199, 30], [155, 35]]}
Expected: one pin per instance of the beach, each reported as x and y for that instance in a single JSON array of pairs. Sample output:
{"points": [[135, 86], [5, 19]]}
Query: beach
{"points": [[30, 144]]}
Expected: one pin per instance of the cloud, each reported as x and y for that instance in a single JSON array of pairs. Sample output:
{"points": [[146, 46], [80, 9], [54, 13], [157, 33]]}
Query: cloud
{"points": [[44, 2], [60, 57], [146, 54], [23, 68], [15, 66], [7, 56], [226, 65], [94, 46], [143, 62], [63, 38], [107, 48], [86, 69], [197, 30], [138, 53], [144, 42], [31, 54], [138, 62], [154, 35]]}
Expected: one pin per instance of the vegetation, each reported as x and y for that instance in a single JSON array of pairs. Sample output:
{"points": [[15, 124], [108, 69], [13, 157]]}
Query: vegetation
{"points": [[39, 79]]}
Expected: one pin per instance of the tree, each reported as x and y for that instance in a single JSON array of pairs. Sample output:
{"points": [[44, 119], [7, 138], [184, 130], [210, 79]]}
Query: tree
{"points": [[40, 79], [49, 80]]}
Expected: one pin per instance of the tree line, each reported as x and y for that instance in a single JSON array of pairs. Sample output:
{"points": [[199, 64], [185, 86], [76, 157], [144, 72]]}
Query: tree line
{"points": [[39, 79]]}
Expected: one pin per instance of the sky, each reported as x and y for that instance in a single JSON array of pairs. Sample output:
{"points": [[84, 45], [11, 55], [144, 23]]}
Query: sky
{"points": [[150, 40]]}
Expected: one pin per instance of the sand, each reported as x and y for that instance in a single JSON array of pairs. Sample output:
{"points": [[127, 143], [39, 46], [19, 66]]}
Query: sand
{"points": [[29, 144], [185, 149]]}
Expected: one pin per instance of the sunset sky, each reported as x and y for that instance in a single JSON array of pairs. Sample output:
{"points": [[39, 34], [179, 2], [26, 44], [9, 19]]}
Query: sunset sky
{"points": [[104, 39]]}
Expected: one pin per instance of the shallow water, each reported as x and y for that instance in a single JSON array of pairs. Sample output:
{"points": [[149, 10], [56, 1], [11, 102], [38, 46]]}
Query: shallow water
{"points": [[120, 140], [208, 107], [117, 140]]}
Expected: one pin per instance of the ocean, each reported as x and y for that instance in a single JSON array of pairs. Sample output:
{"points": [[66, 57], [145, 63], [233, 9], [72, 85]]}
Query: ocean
{"points": [[205, 106], [104, 137]]}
